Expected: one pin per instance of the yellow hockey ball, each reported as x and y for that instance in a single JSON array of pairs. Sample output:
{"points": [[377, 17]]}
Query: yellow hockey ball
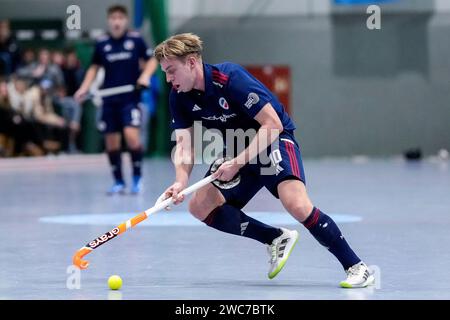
{"points": [[115, 282]]}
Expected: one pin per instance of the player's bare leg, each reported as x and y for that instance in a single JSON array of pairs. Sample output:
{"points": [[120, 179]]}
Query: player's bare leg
{"points": [[209, 206], [204, 201], [113, 146], [133, 140], [295, 199]]}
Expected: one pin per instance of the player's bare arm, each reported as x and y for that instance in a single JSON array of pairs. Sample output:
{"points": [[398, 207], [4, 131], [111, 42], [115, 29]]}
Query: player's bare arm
{"points": [[91, 73], [149, 69], [269, 131], [183, 159]]}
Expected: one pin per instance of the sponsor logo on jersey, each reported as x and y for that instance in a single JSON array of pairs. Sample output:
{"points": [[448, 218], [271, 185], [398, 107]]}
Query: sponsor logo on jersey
{"points": [[118, 56], [107, 48], [223, 117], [196, 108]]}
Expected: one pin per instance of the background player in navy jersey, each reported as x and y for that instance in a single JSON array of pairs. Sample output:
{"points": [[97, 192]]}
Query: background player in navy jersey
{"points": [[225, 96], [121, 53]]}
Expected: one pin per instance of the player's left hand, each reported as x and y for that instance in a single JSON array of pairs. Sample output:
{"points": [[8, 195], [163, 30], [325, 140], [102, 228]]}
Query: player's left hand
{"points": [[227, 170]]}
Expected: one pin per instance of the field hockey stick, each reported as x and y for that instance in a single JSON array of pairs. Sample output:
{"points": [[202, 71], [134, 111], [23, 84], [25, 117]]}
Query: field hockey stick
{"points": [[113, 91], [78, 257]]}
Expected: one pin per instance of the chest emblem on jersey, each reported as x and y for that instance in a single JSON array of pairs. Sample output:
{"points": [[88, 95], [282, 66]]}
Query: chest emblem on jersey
{"points": [[223, 103], [128, 44], [107, 48]]}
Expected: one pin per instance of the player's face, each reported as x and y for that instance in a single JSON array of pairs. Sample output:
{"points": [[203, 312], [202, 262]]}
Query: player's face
{"points": [[118, 24], [180, 73]]}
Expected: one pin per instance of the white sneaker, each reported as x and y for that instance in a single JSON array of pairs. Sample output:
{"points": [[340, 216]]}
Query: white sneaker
{"points": [[280, 249], [358, 276]]}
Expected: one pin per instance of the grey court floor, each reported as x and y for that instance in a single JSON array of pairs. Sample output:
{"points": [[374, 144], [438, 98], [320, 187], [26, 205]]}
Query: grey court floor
{"points": [[395, 214]]}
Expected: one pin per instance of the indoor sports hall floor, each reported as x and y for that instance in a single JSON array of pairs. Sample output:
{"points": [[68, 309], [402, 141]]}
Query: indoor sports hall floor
{"points": [[395, 214]]}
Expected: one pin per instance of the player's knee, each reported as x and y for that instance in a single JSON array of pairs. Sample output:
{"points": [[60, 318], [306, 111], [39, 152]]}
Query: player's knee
{"points": [[197, 209], [112, 146], [201, 208], [133, 144], [133, 141], [204, 201], [300, 209]]}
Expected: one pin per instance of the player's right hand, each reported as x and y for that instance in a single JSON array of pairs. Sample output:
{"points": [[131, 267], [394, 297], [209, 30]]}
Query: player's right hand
{"points": [[80, 94]]}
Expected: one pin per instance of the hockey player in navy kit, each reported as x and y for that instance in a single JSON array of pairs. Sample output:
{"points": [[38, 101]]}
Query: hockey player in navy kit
{"points": [[120, 52], [226, 97]]}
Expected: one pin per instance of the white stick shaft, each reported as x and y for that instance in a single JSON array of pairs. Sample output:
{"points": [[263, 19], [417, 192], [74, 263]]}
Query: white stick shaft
{"points": [[113, 91], [185, 192]]}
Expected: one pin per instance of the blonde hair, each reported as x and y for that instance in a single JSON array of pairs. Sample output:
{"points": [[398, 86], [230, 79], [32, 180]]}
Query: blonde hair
{"points": [[179, 46]]}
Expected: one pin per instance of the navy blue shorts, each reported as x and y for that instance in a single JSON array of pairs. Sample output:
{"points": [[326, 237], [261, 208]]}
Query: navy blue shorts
{"points": [[284, 162], [116, 116]]}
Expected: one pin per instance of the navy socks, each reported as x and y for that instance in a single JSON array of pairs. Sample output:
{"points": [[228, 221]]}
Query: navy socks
{"points": [[136, 161], [232, 220], [325, 230], [115, 160]]}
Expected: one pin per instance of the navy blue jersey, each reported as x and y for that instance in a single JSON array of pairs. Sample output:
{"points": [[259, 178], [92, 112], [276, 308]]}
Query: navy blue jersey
{"points": [[120, 59], [231, 100]]}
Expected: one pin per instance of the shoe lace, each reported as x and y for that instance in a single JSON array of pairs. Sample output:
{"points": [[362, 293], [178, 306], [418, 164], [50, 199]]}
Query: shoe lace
{"points": [[354, 270]]}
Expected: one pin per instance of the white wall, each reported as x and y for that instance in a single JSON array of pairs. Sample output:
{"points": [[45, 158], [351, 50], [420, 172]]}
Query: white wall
{"points": [[442, 5]]}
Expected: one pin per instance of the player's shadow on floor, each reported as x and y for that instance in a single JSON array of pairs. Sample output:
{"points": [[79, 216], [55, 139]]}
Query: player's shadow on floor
{"points": [[263, 284]]}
